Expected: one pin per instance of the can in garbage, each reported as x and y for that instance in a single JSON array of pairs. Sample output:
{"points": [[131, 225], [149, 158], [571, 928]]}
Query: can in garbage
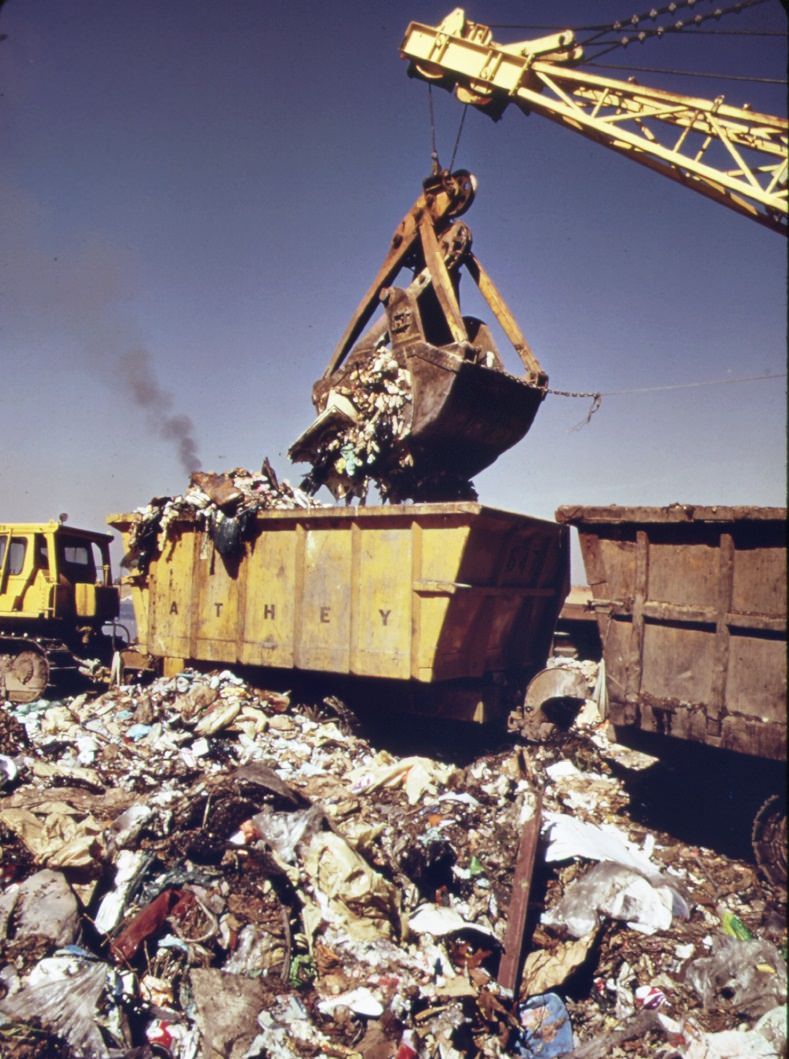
{"points": [[158, 1034], [407, 1049], [649, 997]]}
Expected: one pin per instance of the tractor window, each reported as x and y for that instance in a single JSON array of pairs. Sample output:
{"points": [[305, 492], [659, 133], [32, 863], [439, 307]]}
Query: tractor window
{"points": [[76, 560], [3, 546], [42, 552], [16, 555]]}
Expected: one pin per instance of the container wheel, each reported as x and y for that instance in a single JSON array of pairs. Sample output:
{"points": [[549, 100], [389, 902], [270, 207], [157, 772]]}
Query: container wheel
{"points": [[25, 675], [768, 837]]}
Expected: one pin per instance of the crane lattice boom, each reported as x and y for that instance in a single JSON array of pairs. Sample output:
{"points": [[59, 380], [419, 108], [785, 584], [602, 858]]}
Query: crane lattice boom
{"points": [[730, 154]]}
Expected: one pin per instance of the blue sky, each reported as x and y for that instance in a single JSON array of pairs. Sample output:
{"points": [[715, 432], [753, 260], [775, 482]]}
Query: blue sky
{"points": [[210, 187]]}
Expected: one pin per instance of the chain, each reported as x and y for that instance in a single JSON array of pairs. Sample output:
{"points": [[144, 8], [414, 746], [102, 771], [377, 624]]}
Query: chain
{"points": [[569, 393], [594, 395]]}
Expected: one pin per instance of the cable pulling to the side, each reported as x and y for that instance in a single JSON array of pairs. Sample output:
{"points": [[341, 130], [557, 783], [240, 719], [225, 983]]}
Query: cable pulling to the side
{"points": [[596, 396]]}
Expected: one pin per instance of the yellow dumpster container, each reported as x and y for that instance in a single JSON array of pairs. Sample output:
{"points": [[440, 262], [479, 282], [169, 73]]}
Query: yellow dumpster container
{"points": [[427, 593]]}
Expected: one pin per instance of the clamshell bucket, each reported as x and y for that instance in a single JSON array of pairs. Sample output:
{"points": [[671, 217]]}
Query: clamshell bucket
{"points": [[422, 399]]}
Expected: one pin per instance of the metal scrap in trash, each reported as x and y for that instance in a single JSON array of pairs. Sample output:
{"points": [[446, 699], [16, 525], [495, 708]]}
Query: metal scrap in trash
{"points": [[225, 504]]}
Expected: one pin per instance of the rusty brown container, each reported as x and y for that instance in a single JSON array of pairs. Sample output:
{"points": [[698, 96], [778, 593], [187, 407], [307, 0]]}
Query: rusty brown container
{"points": [[691, 609]]}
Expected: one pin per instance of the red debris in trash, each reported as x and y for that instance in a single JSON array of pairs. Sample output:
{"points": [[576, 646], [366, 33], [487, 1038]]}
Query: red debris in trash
{"points": [[407, 1049], [159, 1033], [148, 920]]}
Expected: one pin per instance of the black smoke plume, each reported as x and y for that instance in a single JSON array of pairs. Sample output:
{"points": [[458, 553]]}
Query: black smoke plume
{"points": [[139, 378]]}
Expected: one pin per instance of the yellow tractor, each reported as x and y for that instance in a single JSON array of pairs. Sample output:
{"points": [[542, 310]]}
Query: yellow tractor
{"points": [[56, 594]]}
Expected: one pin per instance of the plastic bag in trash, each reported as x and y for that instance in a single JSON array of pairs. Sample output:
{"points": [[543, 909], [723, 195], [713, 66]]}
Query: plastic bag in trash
{"points": [[63, 994], [229, 532], [615, 891], [750, 975], [545, 1031], [284, 831], [692, 1042]]}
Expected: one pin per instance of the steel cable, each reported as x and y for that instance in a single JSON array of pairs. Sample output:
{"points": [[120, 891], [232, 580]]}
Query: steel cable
{"points": [[688, 73], [457, 138], [660, 31]]}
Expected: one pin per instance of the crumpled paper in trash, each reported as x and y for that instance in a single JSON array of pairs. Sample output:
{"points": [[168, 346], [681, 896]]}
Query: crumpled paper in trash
{"points": [[546, 969], [347, 890], [57, 834], [417, 775]]}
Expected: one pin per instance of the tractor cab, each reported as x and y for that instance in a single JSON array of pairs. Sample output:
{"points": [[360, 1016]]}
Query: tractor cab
{"points": [[51, 573]]}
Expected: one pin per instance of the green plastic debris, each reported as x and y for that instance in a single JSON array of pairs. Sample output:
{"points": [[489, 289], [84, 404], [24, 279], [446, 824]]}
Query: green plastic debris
{"points": [[734, 927], [302, 971], [475, 866]]}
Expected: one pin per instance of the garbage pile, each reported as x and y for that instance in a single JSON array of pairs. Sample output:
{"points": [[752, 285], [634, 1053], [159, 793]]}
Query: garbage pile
{"points": [[198, 868], [225, 504], [361, 439]]}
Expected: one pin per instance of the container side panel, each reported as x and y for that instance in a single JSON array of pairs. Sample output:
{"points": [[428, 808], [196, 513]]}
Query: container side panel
{"points": [[325, 628], [712, 664], [440, 616], [452, 643], [524, 623], [434, 619], [431, 592], [170, 578], [442, 550], [677, 663], [472, 615], [680, 721], [617, 557], [757, 677], [383, 624], [270, 600], [527, 557], [485, 543], [615, 636], [509, 633], [215, 625], [749, 736], [523, 633], [141, 601], [685, 574], [518, 570], [760, 581]]}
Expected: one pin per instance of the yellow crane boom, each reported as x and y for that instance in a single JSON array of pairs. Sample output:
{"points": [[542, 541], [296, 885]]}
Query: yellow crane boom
{"points": [[730, 154]]}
